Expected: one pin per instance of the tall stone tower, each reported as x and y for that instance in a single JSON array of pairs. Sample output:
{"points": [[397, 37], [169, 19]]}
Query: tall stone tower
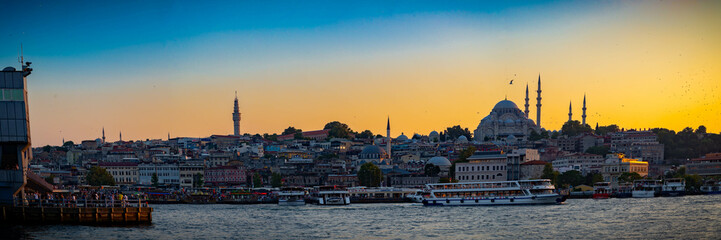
{"points": [[583, 117], [103, 134], [236, 116], [388, 136], [538, 104], [527, 101], [569, 112]]}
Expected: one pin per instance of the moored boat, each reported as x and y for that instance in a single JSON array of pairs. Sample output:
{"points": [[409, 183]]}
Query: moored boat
{"points": [[646, 188], [492, 193], [673, 187], [291, 196], [331, 195], [601, 190], [711, 187]]}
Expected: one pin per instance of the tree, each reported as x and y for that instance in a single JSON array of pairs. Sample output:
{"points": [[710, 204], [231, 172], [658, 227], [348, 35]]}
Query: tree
{"points": [[154, 179], [269, 137], [291, 130], [603, 130], [198, 180], [456, 131], [701, 129], [629, 177], [548, 173], [534, 136], [593, 178], [432, 170], [693, 182], [257, 180], [276, 180], [570, 178], [68, 144], [298, 136], [338, 129], [573, 128], [370, 175], [598, 150], [98, 176], [367, 134]]}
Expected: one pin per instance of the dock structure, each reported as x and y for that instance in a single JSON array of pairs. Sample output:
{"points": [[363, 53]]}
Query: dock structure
{"points": [[77, 215], [43, 211]]}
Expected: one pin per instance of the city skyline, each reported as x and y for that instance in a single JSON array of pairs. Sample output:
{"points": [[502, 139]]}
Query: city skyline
{"points": [[427, 65]]}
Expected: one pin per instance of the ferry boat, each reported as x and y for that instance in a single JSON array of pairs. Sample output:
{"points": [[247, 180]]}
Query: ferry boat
{"points": [[418, 196], [625, 190], [601, 190], [291, 196], [673, 187], [331, 195], [646, 188], [380, 194], [711, 187], [492, 193]]}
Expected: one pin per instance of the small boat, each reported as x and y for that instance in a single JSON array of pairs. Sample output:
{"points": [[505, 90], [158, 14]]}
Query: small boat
{"points": [[601, 190], [492, 193], [646, 188], [711, 187], [673, 187], [331, 195], [291, 196]]}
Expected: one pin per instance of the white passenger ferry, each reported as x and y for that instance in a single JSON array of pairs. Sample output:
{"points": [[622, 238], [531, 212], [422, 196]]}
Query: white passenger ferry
{"points": [[492, 193], [331, 195], [291, 196], [646, 188]]}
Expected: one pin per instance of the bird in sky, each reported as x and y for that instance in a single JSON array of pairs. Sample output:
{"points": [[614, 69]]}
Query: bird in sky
{"points": [[511, 82]]}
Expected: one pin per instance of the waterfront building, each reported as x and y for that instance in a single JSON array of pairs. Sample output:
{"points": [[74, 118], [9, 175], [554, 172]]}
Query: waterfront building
{"points": [[582, 162], [411, 180], [532, 169], [225, 176], [708, 165], [347, 180], [218, 158], [317, 135], [483, 167], [515, 158], [638, 144], [124, 173], [188, 170], [616, 164], [168, 173]]}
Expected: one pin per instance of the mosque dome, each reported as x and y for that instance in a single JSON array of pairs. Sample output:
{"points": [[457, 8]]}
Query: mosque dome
{"points": [[439, 161], [434, 136], [505, 104], [372, 152], [462, 139], [402, 137]]}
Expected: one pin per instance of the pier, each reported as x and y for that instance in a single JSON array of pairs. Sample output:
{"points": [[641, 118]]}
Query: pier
{"points": [[30, 211]]}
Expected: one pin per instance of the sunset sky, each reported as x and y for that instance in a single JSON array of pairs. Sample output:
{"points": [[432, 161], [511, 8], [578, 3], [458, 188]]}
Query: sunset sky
{"points": [[147, 69]]}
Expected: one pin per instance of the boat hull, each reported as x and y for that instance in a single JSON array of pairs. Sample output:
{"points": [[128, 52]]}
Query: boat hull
{"points": [[334, 201], [601, 195], [300, 202], [673, 193], [526, 200], [643, 194]]}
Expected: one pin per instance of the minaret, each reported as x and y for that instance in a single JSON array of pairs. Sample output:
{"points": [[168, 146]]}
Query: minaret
{"points": [[583, 117], [538, 104], [526, 101], [121, 136], [236, 116], [388, 135], [569, 112], [103, 134]]}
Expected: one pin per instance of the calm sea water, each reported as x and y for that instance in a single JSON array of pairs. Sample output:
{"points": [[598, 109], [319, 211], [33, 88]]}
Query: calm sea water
{"points": [[687, 217]]}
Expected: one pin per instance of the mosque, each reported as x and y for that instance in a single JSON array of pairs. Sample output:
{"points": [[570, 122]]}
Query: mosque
{"points": [[507, 121]]}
